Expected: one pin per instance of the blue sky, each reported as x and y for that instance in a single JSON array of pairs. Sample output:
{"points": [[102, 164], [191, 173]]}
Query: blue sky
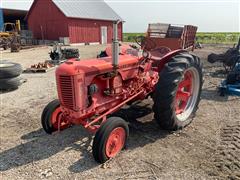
{"points": [[208, 15]]}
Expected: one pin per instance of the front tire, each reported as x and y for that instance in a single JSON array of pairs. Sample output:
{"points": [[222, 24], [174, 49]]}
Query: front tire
{"points": [[52, 118], [110, 139], [178, 91]]}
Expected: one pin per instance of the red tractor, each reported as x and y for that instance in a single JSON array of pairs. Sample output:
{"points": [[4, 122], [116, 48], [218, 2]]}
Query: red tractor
{"points": [[90, 91]]}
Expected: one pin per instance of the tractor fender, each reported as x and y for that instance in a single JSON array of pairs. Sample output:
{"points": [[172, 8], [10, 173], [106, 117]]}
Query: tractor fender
{"points": [[165, 59]]}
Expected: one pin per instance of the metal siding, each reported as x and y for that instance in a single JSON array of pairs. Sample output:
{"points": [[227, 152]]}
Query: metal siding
{"points": [[1, 19], [46, 15], [55, 24], [87, 31], [97, 9], [83, 31]]}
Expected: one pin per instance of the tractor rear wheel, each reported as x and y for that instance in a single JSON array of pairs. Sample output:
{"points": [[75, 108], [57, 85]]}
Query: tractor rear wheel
{"points": [[178, 91], [52, 118], [110, 139]]}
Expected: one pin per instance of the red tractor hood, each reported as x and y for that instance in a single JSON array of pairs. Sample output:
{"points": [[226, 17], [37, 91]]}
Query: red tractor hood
{"points": [[94, 66]]}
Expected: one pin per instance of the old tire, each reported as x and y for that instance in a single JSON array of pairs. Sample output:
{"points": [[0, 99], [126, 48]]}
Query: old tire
{"points": [[9, 83], [9, 70], [51, 116], [71, 53], [110, 139], [178, 91], [212, 58]]}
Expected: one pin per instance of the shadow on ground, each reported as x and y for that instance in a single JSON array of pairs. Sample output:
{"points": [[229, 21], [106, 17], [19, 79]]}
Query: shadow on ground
{"points": [[214, 95], [143, 130], [40, 146]]}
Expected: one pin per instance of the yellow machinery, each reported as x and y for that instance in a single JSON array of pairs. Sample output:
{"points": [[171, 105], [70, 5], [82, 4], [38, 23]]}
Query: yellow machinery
{"points": [[10, 35]]}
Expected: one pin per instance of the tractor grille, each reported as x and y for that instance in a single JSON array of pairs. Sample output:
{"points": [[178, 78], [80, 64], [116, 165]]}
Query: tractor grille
{"points": [[66, 90]]}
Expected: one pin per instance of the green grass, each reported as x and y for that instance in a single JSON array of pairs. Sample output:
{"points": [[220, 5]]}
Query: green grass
{"points": [[204, 38], [129, 37], [218, 38]]}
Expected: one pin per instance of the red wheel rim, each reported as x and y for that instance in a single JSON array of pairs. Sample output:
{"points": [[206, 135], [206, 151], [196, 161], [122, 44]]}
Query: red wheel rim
{"points": [[57, 120], [184, 93], [115, 142]]}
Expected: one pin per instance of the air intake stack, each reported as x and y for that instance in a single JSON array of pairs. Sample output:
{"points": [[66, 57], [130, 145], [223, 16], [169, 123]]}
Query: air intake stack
{"points": [[115, 45]]}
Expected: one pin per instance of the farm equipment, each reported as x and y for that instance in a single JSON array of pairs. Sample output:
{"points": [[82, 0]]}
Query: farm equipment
{"points": [[59, 55], [231, 86], [175, 37], [10, 37], [231, 62], [90, 91], [228, 59], [15, 44]]}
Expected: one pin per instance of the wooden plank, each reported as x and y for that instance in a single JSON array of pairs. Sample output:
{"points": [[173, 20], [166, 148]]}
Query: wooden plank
{"points": [[35, 70]]}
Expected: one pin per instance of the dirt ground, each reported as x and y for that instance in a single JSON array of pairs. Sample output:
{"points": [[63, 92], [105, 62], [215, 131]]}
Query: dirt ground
{"points": [[209, 148]]}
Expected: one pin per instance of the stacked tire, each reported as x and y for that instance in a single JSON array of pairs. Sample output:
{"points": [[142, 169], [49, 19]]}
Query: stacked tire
{"points": [[9, 75]]}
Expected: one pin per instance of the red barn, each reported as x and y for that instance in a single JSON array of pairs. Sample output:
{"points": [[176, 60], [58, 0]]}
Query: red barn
{"points": [[82, 21]]}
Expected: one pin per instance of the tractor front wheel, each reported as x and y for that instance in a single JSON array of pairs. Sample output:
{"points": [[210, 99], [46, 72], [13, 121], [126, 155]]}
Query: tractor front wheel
{"points": [[110, 139], [52, 118], [177, 93]]}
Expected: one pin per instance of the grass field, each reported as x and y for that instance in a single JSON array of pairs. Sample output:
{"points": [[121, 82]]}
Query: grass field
{"points": [[205, 38]]}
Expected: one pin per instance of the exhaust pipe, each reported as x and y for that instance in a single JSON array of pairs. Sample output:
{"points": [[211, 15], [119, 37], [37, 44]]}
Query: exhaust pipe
{"points": [[115, 45]]}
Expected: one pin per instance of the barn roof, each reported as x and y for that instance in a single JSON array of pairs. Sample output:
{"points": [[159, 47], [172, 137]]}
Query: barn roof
{"points": [[87, 9]]}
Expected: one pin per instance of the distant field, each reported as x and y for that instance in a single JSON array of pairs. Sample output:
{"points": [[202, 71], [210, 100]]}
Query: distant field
{"points": [[205, 38], [129, 37]]}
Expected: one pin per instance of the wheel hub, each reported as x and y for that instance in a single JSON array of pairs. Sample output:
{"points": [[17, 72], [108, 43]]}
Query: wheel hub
{"points": [[57, 120], [187, 93], [115, 142]]}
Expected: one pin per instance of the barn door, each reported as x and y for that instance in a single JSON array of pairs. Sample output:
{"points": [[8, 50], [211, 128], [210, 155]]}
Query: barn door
{"points": [[104, 34]]}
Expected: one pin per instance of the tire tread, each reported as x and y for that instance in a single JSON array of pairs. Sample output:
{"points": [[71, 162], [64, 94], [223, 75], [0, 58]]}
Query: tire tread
{"points": [[172, 73]]}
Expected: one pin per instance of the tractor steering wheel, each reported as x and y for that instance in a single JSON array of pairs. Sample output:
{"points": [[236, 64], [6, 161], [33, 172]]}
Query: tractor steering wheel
{"points": [[145, 43]]}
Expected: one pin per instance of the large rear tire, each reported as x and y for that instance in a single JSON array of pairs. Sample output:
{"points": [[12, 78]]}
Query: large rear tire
{"points": [[178, 91]]}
